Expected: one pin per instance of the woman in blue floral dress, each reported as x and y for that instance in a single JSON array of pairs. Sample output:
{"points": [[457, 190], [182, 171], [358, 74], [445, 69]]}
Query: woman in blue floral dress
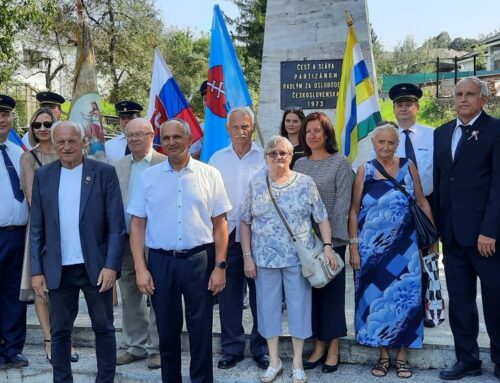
{"points": [[385, 255]]}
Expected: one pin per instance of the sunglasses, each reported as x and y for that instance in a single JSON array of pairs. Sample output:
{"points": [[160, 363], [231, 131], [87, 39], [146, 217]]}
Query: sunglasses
{"points": [[38, 125], [294, 109], [277, 154]]}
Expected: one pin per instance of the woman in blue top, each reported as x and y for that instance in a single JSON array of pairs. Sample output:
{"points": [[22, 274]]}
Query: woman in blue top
{"points": [[385, 255]]}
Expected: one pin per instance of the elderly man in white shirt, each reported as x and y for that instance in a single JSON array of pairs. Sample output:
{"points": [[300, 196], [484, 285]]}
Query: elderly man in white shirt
{"points": [[13, 219], [116, 148], [179, 212], [139, 322], [238, 163]]}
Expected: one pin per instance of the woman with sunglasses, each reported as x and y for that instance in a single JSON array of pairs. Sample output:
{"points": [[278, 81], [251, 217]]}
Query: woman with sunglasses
{"points": [[43, 153], [331, 171], [270, 257], [290, 128]]}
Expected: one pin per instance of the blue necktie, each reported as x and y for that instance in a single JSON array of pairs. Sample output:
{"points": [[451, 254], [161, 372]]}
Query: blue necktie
{"points": [[127, 150], [465, 130], [410, 153], [14, 178]]}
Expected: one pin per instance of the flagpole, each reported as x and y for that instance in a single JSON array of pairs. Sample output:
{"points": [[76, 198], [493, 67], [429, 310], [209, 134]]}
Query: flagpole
{"points": [[259, 131], [348, 18]]}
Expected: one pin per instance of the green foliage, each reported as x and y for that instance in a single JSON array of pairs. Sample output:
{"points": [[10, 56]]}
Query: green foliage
{"points": [[461, 44], [250, 36]]}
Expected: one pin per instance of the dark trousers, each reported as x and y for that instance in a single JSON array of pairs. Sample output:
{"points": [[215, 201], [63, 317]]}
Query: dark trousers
{"points": [[175, 278], [463, 265], [63, 309], [231, 308], [328, 307], [12, 310], [425, 276]]}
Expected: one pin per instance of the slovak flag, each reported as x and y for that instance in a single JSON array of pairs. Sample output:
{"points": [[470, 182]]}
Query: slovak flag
{"points": [[166, 101], [226, 87]]}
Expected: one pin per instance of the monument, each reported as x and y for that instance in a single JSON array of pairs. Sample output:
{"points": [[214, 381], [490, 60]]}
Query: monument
{"points": [[304, 43]]}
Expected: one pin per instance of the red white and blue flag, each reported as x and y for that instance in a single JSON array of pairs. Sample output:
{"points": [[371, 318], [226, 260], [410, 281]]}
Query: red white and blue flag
{"points": [[167, 101], [14, 137], [226, 87]]}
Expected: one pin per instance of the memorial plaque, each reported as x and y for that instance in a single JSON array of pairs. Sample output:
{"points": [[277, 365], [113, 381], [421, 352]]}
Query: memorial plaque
{"points": [[311, 84]]}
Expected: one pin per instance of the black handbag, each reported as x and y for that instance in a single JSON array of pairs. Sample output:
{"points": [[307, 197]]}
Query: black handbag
{"points": [[427, 235]]}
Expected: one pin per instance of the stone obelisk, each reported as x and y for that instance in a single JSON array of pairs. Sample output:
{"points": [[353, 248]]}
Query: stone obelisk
{"points": [[306, 31]]}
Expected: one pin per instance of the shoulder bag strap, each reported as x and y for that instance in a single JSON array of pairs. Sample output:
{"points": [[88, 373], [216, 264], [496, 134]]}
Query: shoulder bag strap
{"points": [[36, 158], [278, 210], [395, 182]]}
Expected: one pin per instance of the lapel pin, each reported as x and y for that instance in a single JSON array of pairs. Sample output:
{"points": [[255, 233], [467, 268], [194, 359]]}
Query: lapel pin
{"points": [[88, 179], [474, 135]]}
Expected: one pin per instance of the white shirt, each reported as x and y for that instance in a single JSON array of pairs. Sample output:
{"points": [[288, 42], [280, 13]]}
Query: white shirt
{"points": [[237, 173], [136, 168], [12, 212], [422, 139], [70, 188], [179, 205], [115, 148], [457, 133]]}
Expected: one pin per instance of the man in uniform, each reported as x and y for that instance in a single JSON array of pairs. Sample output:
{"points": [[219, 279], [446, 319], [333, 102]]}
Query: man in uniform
{"points": [[238, 163], [13, 219], [416, 142], [139, 322], [116, 148], [179, 212]]}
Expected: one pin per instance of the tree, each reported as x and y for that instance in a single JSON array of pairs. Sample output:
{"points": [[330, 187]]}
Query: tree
{"points": [[461, 44], [406, 55], [250, 34], [15, 16], [382, 64]]}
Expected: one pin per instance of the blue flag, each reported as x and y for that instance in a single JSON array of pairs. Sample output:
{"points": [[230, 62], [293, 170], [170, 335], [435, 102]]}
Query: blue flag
{"points": [[226, 87], [16, 139]]}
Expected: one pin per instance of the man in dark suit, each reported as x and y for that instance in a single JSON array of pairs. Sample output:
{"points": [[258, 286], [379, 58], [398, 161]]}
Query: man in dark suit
{"points": [[76, 243], [467, 212]]}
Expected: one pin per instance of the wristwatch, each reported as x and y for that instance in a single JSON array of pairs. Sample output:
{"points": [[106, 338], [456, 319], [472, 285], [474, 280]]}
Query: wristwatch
{"points": [[221, 265], [353, 240]]}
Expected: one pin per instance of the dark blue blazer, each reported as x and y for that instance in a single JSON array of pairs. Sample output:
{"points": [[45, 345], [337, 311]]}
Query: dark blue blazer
{"points": [[102, 222], [467, 189]]}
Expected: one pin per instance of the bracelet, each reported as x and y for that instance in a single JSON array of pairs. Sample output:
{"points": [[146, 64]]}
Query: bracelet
{"points": [[247, 254], [353, 240], [327, 244]]}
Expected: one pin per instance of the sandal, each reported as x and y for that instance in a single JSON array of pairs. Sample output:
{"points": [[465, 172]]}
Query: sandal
{"points": [[271, 373], [403, 370], [381, 368], [299, 375]]}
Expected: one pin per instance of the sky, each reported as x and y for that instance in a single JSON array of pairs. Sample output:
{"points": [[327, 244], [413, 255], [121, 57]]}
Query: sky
{"points": [[392, 20]]}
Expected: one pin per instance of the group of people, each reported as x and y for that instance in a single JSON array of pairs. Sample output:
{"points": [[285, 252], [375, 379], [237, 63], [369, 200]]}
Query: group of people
{"points": [[180, 232]]}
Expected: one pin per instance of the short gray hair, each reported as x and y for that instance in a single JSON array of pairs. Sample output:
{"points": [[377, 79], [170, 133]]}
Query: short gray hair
{"points": [[185, 126], [74, 125], [386, 126], [274, 140], [143, 122], [483, 86], [242, 109]]}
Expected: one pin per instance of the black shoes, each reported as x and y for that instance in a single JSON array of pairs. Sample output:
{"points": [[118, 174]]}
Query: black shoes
{"points": [[459, 371], [262, 361], [428, 323], [75, 357], [229, 361], [18, 360], [312, 365], [328, 369]]}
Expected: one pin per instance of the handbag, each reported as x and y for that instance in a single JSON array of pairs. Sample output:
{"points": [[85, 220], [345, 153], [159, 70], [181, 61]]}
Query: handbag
{"points": [[427, 235], [314, 266]]}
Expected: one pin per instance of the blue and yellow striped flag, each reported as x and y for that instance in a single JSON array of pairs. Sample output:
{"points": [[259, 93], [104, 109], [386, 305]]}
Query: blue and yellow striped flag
{"points": [[357, 105]]}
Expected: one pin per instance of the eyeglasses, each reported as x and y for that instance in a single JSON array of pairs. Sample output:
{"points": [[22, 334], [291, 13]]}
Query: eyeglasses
{"points": [[38, 125], [139, 135], [275, 155]]}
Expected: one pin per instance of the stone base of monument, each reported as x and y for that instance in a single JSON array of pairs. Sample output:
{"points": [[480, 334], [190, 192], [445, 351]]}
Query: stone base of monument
{"points": [[438, 350]]}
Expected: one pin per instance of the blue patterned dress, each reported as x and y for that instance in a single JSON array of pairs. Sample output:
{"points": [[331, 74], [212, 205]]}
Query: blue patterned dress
{"points": [[388, 285]]}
